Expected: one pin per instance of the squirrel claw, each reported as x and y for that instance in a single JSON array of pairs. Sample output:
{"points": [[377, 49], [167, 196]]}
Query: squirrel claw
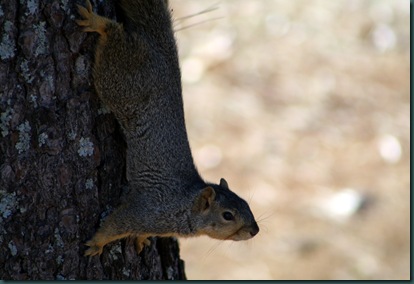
{"points": [[89, 6], [85, 10]]}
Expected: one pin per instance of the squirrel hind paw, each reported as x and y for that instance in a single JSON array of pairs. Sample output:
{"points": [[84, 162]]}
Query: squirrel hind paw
{"points": [[85, 12], [91, 22]]}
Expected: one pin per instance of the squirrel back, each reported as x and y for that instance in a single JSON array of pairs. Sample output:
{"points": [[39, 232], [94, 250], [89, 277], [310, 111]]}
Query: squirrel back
{"points": [[137, 76]]}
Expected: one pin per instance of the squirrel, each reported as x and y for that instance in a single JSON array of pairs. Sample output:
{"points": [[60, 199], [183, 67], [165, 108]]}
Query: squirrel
{"points": [[137, 76]]}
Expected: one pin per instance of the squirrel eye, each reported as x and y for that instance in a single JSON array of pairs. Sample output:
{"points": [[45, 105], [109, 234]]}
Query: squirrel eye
{"points": [[228, 216]]}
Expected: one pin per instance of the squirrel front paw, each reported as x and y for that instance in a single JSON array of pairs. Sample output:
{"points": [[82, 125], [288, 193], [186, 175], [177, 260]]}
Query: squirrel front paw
{"points": [[140, 242], [97, 243], [93, 250]]}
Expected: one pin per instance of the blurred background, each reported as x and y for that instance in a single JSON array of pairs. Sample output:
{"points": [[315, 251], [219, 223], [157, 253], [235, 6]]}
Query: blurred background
{"points": [[304, 107]]}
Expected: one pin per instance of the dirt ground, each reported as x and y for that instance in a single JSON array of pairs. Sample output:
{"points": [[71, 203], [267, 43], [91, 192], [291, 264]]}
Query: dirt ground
{"points": [[304, 107]]}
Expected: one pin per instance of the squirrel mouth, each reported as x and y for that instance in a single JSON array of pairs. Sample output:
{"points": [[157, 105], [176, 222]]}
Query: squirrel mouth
{"points": [[236, 236], [243, 233]]}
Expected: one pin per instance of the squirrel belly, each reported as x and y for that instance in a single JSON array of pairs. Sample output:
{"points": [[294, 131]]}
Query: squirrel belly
{"points": [[137, 76]]}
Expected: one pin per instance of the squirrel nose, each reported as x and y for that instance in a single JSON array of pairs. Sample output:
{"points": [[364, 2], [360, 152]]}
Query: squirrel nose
{"points": [[254, 230]]}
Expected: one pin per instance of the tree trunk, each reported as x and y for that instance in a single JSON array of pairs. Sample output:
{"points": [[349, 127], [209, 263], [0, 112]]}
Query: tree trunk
{"points": [[62, 156]]}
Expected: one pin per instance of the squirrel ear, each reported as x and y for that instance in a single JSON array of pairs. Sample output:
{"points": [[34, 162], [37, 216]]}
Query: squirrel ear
{"points": [[223, 183], [205, 199]]}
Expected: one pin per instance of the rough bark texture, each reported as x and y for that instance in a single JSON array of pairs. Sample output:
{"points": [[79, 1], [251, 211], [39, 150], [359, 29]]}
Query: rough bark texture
{"points": [[62, 156]]}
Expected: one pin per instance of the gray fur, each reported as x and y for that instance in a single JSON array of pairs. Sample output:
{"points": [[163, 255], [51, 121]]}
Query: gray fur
{"points": [[137, 76]]}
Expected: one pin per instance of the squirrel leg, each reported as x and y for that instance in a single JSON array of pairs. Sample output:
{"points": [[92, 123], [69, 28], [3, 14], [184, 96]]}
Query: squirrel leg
{"points": [[91, 21], [117, 226], [110, 231]]}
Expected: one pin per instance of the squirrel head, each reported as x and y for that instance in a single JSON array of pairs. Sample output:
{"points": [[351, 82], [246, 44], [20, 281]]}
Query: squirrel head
{"points": [[223, 215]]}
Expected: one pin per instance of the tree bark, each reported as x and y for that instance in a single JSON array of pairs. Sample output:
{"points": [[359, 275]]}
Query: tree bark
{"points": [[62, 155]]}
